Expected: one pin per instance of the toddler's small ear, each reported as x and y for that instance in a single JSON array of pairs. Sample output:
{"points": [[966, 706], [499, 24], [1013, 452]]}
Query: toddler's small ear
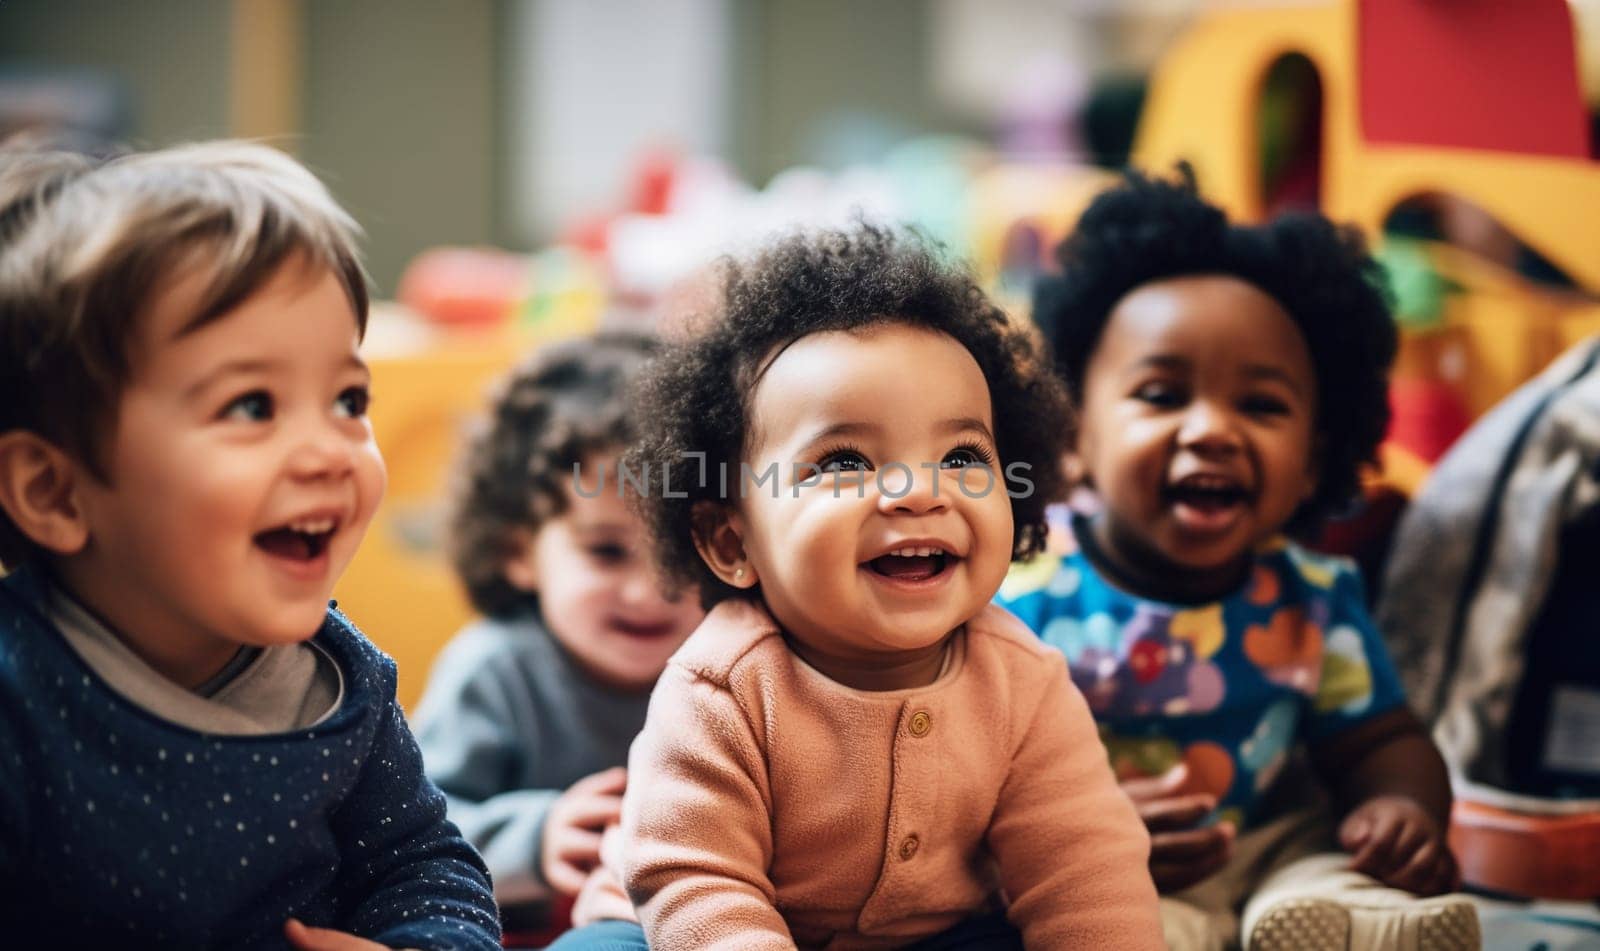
{"points": [[38, 490], [719, 537], [522, 565]]}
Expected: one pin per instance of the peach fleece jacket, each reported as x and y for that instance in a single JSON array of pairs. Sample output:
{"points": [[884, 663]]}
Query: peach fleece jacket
{"points": [[769, 806]]}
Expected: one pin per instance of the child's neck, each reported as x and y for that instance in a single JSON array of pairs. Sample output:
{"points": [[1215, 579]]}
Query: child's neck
{"points": [[189, 665], [917, 668], [1136, 569]]}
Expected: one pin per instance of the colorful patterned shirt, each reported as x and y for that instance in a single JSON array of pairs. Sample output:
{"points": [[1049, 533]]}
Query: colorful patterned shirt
{"points": [[1225, 687]]}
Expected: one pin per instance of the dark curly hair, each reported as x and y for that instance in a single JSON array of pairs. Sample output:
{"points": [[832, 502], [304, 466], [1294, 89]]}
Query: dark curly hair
{"points": [[699, 391], [1149, 229], [564, 403]]}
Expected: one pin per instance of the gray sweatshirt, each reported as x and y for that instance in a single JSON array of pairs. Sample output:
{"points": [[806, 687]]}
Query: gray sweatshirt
{"points": [[507, 723]]}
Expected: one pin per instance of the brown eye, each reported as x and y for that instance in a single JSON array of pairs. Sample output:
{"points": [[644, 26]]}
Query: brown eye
{"points": [[1162, 395], [962, 457], [353, 402], [845, 461], [1264, 406], [254, 407], [608, 554]]}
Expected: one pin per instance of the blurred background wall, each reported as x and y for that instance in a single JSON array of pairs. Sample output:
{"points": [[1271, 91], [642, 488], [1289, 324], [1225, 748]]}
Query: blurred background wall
{"points": [[499, 121], [384, 98]]}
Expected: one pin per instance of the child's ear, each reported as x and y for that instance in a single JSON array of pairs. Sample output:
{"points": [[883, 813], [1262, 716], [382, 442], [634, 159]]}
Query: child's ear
{"points": [[521, 567], [38, 490], [719, 537]]}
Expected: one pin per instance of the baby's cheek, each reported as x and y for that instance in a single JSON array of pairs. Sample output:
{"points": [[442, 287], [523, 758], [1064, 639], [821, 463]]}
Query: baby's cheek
{"points": [[992, 551]]}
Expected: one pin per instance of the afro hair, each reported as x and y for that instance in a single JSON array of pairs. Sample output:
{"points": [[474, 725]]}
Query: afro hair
{"points": [[1148, 229]]}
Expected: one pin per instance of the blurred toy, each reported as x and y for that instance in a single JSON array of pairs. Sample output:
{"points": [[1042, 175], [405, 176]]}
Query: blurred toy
{"points": [[566, 296], [1017, 214], [464, 287], [1527, 847]]}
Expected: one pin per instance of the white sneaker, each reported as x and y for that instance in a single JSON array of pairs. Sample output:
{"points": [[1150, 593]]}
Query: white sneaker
{"points": [[1446, 923]]}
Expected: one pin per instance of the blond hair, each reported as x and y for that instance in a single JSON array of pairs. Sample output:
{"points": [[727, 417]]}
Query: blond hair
{"points": [[86, 243]]}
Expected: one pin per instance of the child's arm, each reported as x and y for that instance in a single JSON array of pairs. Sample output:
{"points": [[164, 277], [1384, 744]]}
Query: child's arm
{"points": [[1390, 777], [1071, 849], [696, 822], [407, 877], [1379, 760]]}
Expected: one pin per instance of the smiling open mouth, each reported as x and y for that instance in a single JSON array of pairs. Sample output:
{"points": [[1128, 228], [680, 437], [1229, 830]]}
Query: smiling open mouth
{"points": [[912, 564], [646, 632], [303, 540], [1206, 493]]}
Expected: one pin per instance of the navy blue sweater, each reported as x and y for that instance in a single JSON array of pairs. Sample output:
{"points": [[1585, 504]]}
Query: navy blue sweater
{"points": [[118, 828]]}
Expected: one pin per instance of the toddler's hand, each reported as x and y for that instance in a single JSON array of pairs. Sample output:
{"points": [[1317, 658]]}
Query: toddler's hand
{"points": [[571, 842], [602, 896], [306, 938], [1396, 841], [1180, 854]]}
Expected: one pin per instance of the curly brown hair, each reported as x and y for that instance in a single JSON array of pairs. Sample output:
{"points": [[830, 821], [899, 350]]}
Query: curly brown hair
{"points": [[563, 404], [699, 391]]}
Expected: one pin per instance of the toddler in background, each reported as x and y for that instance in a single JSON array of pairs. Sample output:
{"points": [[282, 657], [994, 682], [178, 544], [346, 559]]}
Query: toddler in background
{"points": [[199, 751], [528, 713], [1231, 380], [856, 750]]}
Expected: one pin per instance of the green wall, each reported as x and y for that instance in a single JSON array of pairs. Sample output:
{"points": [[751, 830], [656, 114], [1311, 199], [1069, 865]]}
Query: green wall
{"points": [[799, 62], [172, 56], [400, 120]]}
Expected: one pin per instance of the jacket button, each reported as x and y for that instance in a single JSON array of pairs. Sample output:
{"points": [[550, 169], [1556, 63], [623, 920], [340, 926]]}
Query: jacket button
{"points": [[921, 723], [909, 846]]}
